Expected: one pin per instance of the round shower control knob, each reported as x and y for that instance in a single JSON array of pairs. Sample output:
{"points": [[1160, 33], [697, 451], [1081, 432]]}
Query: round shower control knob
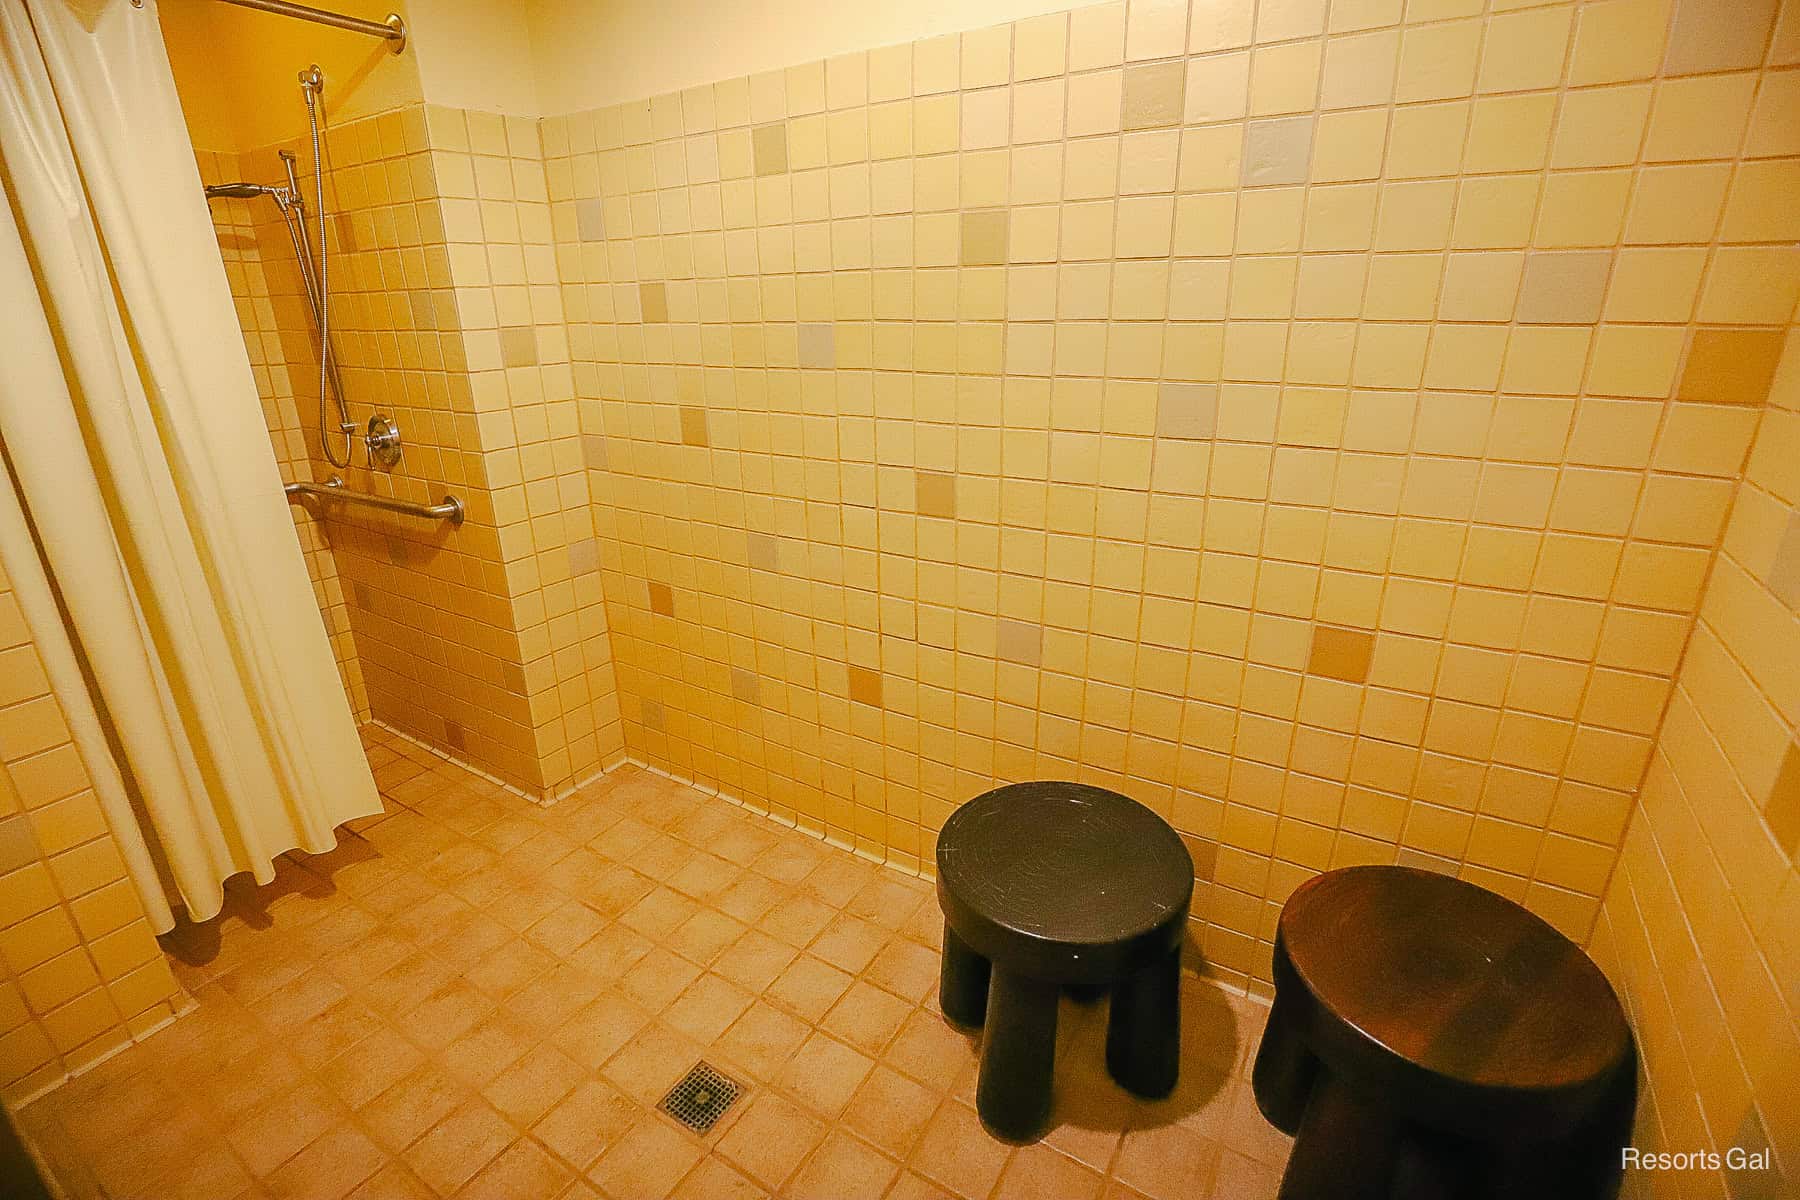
{"points": [[383, 440]]}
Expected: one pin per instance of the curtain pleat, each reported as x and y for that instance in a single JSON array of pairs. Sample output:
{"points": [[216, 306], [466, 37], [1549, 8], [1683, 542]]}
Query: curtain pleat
{"points": [[141, 484]]}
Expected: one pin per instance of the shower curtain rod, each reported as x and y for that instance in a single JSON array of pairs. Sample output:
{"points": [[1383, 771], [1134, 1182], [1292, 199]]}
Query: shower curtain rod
{"points": [[393, 29]]}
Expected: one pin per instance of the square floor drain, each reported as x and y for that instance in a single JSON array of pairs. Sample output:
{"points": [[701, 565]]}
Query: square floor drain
{"points": [[701, 1097]]}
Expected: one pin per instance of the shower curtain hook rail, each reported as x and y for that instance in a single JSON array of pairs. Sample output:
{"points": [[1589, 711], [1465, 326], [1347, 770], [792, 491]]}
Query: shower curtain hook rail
{"points": [[393, 29]]}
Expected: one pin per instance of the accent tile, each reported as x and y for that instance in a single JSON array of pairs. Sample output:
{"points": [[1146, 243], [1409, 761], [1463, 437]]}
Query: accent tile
{"points": [[865, 686], [693, 426], [818, 345], [984, 238], [1154, 94], [1782, 810], [769, 145], [1341, 653], [653, 300], [934, 494], [590, 219], [1278, 151], [1730, 366], [518, 346], [1712, 36], [1020, 642], [1564, 289], [1187, 410]]}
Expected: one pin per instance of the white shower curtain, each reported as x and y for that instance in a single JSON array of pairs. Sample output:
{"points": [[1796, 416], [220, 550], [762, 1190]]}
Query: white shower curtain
{"points": [[141, 516]]}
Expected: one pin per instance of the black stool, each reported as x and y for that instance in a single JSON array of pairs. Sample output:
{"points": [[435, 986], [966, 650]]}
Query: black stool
{"points": [[1053, 885], [1431, 1040]]}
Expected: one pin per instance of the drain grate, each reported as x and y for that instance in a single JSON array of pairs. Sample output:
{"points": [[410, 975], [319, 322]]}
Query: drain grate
{"points": [[701, 1097]]}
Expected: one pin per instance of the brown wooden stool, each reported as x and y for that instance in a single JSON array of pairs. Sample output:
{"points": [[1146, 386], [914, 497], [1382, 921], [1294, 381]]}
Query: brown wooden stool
{"points": [[1047, 886], [1430, 1039]]}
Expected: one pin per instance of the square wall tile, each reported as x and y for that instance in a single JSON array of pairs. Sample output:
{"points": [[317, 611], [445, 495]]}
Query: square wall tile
{"points": [[818, 344], [653, 299], [1716, 35], [984, 236], [1019, 642], [1277, 152], [1187, 410], [745, 686], [769, 148], [518, 346], [1784, 570], [1564, 289], [1730, 366], [1341, 653], [1782, 809], [865, 686], [590, 219], [693, 426], [934, 494], [1153, 95]]}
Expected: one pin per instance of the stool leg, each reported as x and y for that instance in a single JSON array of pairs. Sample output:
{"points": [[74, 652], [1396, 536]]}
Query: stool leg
{"points": [[962, 981], [1285, 1068], [1018, 1055], [1344, 1150], [1143, 1030]]}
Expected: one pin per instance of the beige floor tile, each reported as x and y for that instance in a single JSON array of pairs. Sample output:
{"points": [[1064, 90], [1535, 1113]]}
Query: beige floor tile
{"points": [[717, 1179], [809, 987], [393, 1182], [458, 1146], [601, 1028], [647, 1162], [582, 1125], [1169, 1162], [281, 1127], [891, 1110], [843, 1165], [522, 1170], [530, 1087], [771, 1139], [1037, 1171], [755, 960], [867, 1017], [763, 1039], [707, 1008], [403, 1113], [956, 1152], [333, 1166], [823, 1074], [905, 968]]}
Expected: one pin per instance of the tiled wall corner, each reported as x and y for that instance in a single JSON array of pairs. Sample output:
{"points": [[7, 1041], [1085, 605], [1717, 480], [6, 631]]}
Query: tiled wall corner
{"points": [[1700, 931]]}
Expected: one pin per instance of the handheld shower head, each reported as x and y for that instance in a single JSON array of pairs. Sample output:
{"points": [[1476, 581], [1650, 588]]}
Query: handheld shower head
{"points": [[240, 191]]}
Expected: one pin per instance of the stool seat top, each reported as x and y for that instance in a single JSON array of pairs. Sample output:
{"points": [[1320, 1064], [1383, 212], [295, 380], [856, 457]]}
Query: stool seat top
{"points": [[1067, 877], [1455, 980]]}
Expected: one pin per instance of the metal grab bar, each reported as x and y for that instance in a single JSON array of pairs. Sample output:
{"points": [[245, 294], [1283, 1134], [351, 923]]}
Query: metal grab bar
{"points": [[450, 510], [393, 29]]}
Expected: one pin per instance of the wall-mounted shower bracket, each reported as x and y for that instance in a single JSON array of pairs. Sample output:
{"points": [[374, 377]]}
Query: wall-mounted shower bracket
{"points": [[383, 440]]}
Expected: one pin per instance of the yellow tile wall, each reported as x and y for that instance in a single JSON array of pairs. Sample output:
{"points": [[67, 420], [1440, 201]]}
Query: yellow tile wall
{"points": [[242, 227], [489, 640], [1312, 419], [1700, 931], [80, 972]]}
